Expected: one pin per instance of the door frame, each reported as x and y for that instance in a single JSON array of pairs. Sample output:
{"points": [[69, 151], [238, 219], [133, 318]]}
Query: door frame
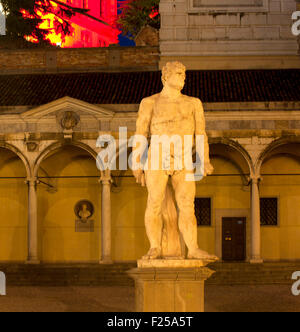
{"points": [[231, 213]]}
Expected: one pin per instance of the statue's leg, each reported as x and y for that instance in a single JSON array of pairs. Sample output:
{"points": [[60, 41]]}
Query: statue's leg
{"points": [[185, 192], [156, 182]]}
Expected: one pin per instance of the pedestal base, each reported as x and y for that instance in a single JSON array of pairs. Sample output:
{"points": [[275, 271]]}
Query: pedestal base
{"points": [[170, 285]]}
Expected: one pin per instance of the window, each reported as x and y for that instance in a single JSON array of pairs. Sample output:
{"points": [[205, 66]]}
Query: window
{"points": [[269, 211], [228, 6], [203, 211], [85, 4], [85, 37]]}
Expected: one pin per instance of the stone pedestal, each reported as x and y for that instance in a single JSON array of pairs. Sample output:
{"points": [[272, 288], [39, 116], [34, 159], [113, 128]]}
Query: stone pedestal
{"points": [[170, 285]]}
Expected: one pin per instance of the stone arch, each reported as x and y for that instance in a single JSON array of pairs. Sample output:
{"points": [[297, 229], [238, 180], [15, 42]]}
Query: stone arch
{"points": [[278, 166], [58, 145], [116, 154], [274, 148], [233, 151], [56, 206], [16, 151], [14, 203], [229, 195]]}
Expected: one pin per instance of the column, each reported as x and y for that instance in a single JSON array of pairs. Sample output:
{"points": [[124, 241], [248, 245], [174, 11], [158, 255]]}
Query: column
{"points": [[106, 219], [255, 222], [32, 222]]}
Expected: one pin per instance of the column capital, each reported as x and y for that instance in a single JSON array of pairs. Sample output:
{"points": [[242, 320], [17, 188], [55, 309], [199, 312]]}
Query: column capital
{"points": [[105, 180], [255, 179], [32, 181], [105, 177]]}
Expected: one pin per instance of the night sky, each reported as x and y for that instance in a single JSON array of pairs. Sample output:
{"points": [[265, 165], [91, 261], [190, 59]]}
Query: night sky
{"points": [[124, 41]]}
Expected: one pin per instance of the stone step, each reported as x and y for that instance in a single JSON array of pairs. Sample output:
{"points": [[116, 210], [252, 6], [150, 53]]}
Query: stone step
{"points": [[115, 274], [245, 273]]}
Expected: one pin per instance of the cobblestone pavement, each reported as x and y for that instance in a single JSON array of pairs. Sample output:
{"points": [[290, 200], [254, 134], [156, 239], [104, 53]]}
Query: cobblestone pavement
{"points": [[121, 299]]}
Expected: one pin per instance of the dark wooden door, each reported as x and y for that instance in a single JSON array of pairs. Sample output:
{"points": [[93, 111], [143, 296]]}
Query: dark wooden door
{"points": [[234, 239]]}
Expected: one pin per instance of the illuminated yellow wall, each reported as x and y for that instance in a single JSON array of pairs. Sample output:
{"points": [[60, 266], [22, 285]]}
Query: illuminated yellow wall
{"points": [[282, 241], [129, 240], [13, 209], [58, 240], [227, 192]]}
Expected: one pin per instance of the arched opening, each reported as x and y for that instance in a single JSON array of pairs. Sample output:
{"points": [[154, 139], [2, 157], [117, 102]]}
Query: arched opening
{"points": [[280, 231], [68, 180], [229, 194], [13, 207]]}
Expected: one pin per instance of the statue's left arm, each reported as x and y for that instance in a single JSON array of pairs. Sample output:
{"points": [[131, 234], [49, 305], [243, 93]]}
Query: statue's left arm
{"points": [[200, 130]]}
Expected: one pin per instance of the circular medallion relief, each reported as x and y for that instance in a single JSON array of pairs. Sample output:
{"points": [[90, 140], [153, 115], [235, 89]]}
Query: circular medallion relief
{"points": [[69, 120]]}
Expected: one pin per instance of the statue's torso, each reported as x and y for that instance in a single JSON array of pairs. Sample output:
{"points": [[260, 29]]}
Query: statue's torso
{"points": [[173, 117]]}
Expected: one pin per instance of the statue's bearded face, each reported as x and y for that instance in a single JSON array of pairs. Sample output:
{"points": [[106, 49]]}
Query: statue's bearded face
{"points": [[176, 79]]}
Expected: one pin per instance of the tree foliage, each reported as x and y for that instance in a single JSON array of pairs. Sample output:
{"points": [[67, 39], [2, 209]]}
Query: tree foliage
{"points": [[136, 14], [19, 25]]}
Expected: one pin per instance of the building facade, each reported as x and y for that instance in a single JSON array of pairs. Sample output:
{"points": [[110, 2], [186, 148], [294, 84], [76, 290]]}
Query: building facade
{"points": [[92, 24], [229, 34], [57, 207], [96, 28]]}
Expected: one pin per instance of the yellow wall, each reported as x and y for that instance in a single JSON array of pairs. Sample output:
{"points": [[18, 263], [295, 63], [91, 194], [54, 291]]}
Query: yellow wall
{"points": [[282, 241], [13, 208], [129, 240], [227, 192], [60, 243], [58, 240]]}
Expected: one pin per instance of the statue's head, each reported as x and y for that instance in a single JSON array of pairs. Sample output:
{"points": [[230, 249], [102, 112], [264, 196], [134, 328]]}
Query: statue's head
{"points": [[173, 75]]}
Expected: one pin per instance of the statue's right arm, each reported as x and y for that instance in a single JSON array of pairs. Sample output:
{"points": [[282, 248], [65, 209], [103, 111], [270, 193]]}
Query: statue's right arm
{"points": [[143, 128], [144, 117]]}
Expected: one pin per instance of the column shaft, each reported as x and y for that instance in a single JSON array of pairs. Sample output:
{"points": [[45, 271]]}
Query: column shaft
{"points": [[255, 223], [32, 222], [106, 221]]}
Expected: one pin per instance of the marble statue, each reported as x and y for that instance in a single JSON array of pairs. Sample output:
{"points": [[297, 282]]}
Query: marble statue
{"points": [[171, 113]]}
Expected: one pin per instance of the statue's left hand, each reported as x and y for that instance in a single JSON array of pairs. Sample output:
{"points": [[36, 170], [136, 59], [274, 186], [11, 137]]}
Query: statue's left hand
{"points": [[140, 177], [208, 169]]}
